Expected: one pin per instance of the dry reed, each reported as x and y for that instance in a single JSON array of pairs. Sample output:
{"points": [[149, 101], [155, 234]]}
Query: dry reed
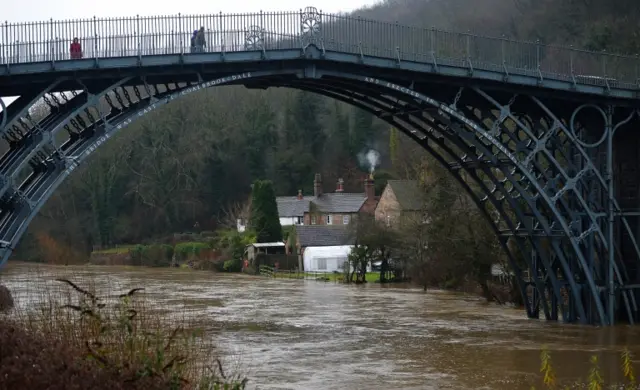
{"points": [[84, 340]]}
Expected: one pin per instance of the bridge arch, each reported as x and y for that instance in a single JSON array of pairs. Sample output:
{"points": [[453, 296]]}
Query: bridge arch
{"points": [[516, 187]]}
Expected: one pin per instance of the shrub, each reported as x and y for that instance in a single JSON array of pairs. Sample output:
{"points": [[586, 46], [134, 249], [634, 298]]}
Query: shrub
{"points": [[6, 300], [155, 255], [98, 343], [136, 253], [185, 250], [233, 265]]}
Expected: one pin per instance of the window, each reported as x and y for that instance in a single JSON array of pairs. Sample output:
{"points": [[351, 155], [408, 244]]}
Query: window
{"points": [[298, 220], [329, 219], [345, 219], [322, 264], [313, 219]]}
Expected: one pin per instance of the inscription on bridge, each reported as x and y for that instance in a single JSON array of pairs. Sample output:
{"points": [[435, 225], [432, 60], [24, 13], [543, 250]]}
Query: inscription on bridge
{"points": [[109, 131]]}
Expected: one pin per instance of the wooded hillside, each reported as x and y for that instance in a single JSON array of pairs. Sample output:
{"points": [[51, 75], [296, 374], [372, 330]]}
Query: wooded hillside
{"points": [[194, 159]]}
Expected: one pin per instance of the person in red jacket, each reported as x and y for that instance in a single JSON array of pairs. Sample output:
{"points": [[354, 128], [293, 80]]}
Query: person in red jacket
{"points": [[75, 49]]}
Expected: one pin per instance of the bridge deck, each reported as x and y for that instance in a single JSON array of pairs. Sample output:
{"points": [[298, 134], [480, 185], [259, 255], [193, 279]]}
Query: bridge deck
{"points": [[40, 51]]}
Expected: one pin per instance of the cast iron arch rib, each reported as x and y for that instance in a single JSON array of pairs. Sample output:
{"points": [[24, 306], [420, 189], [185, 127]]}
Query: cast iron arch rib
{"points": [[364, 103], [496, 182], [346, 94], [454, 127]]}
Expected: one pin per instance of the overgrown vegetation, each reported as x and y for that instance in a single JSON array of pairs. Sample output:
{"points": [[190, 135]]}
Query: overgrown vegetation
{"points": [[595, 379], [81, 341]]}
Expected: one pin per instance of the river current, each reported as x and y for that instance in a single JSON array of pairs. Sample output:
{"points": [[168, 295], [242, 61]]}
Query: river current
{"points": [[305, 334]]}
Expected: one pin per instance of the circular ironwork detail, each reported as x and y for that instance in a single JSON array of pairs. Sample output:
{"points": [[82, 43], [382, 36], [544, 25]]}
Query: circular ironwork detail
{"points": [[254, 38], [311, 22]]}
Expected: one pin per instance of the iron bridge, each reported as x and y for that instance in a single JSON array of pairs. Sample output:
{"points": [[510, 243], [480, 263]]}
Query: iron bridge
{"points": [[541, 137]]}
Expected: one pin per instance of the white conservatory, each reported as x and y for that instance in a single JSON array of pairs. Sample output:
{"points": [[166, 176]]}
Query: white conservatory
{"points": [[327, 258]]}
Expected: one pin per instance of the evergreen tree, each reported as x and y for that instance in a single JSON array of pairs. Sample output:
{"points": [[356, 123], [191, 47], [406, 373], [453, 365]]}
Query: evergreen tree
{"points": [[264, 212], [306, 112], [362, 132], [393, 146]]}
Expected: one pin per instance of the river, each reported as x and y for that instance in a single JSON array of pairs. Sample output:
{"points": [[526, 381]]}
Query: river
{"points": [[296, 334]]}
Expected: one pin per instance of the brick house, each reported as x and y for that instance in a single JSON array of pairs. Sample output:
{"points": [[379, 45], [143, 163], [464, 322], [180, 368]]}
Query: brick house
{"points": [[332, 208], [339, 207], [400, 198]]}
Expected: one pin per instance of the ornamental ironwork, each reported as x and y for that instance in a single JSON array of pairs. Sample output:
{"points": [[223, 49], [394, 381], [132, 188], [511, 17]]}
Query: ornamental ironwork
{"points": [[254, 38], [311, 23]]}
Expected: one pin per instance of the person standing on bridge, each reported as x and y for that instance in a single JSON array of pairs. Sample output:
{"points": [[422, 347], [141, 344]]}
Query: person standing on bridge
{"points": [[193, 41], [200, 41], [75, 50]]}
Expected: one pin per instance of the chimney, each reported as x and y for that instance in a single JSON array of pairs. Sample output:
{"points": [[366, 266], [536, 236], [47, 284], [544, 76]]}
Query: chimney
{"points": [[340, 186], [369, 189], [299, 195], [317, 185]]}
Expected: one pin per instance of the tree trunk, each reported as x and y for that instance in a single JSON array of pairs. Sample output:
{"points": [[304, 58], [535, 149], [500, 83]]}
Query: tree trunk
{"points": [[486, 291], [384, 269]]}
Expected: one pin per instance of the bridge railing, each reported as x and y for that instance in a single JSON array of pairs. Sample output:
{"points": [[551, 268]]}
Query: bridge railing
{"points": [[142, 36]]}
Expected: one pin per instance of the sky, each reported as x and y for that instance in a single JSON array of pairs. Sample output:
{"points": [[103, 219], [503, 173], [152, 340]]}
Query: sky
{"points": [[38, 10]]}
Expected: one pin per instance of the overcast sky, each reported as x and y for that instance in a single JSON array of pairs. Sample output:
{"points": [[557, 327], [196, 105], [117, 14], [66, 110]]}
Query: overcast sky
{"points": [[36, 10]]}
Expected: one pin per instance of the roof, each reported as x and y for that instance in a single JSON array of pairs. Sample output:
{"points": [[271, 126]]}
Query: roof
{"points": [[339, 202], [291, 206], [332, 202], [408, 194], [266, 244], [323, 235]]}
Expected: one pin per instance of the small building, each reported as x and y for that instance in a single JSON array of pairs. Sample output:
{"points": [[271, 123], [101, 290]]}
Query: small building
{"points": [[400, 198], [306, 236], [326, 258], [267, 248]]}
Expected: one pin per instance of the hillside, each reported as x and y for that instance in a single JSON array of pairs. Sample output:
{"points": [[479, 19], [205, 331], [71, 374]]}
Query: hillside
{"points": [[193, 160]]}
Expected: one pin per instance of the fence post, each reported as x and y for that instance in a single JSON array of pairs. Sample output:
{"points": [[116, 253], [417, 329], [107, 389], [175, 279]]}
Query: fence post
{"points": [[432, 44], [538, 53], [571, 60], [638, 71], [53, 42], [95, 38], [5, 42], [504, 56], [138, 35], [179, 32]]}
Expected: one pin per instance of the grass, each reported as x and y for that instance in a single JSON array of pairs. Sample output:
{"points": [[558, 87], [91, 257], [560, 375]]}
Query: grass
{"points": [[76, 339], [370, 277], [114, 251]]}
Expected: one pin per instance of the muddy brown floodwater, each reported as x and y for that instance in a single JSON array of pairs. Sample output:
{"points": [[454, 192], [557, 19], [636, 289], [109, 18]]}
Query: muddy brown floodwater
{"points": [[295, 334]]}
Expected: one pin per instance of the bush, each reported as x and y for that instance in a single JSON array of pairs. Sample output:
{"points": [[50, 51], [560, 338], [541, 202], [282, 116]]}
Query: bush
{"points": [[185, 250], [101, 343], [155, 255], [6, 300], [233, 265], [136, 253]]}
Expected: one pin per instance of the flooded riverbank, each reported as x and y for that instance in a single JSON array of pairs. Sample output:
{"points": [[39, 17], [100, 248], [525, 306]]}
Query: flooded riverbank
{"points": [[296, 334]]}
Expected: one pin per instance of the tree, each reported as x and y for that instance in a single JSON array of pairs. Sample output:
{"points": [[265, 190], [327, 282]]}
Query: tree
{"points": [[264, 212], [362, 131], [375, 241]]}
